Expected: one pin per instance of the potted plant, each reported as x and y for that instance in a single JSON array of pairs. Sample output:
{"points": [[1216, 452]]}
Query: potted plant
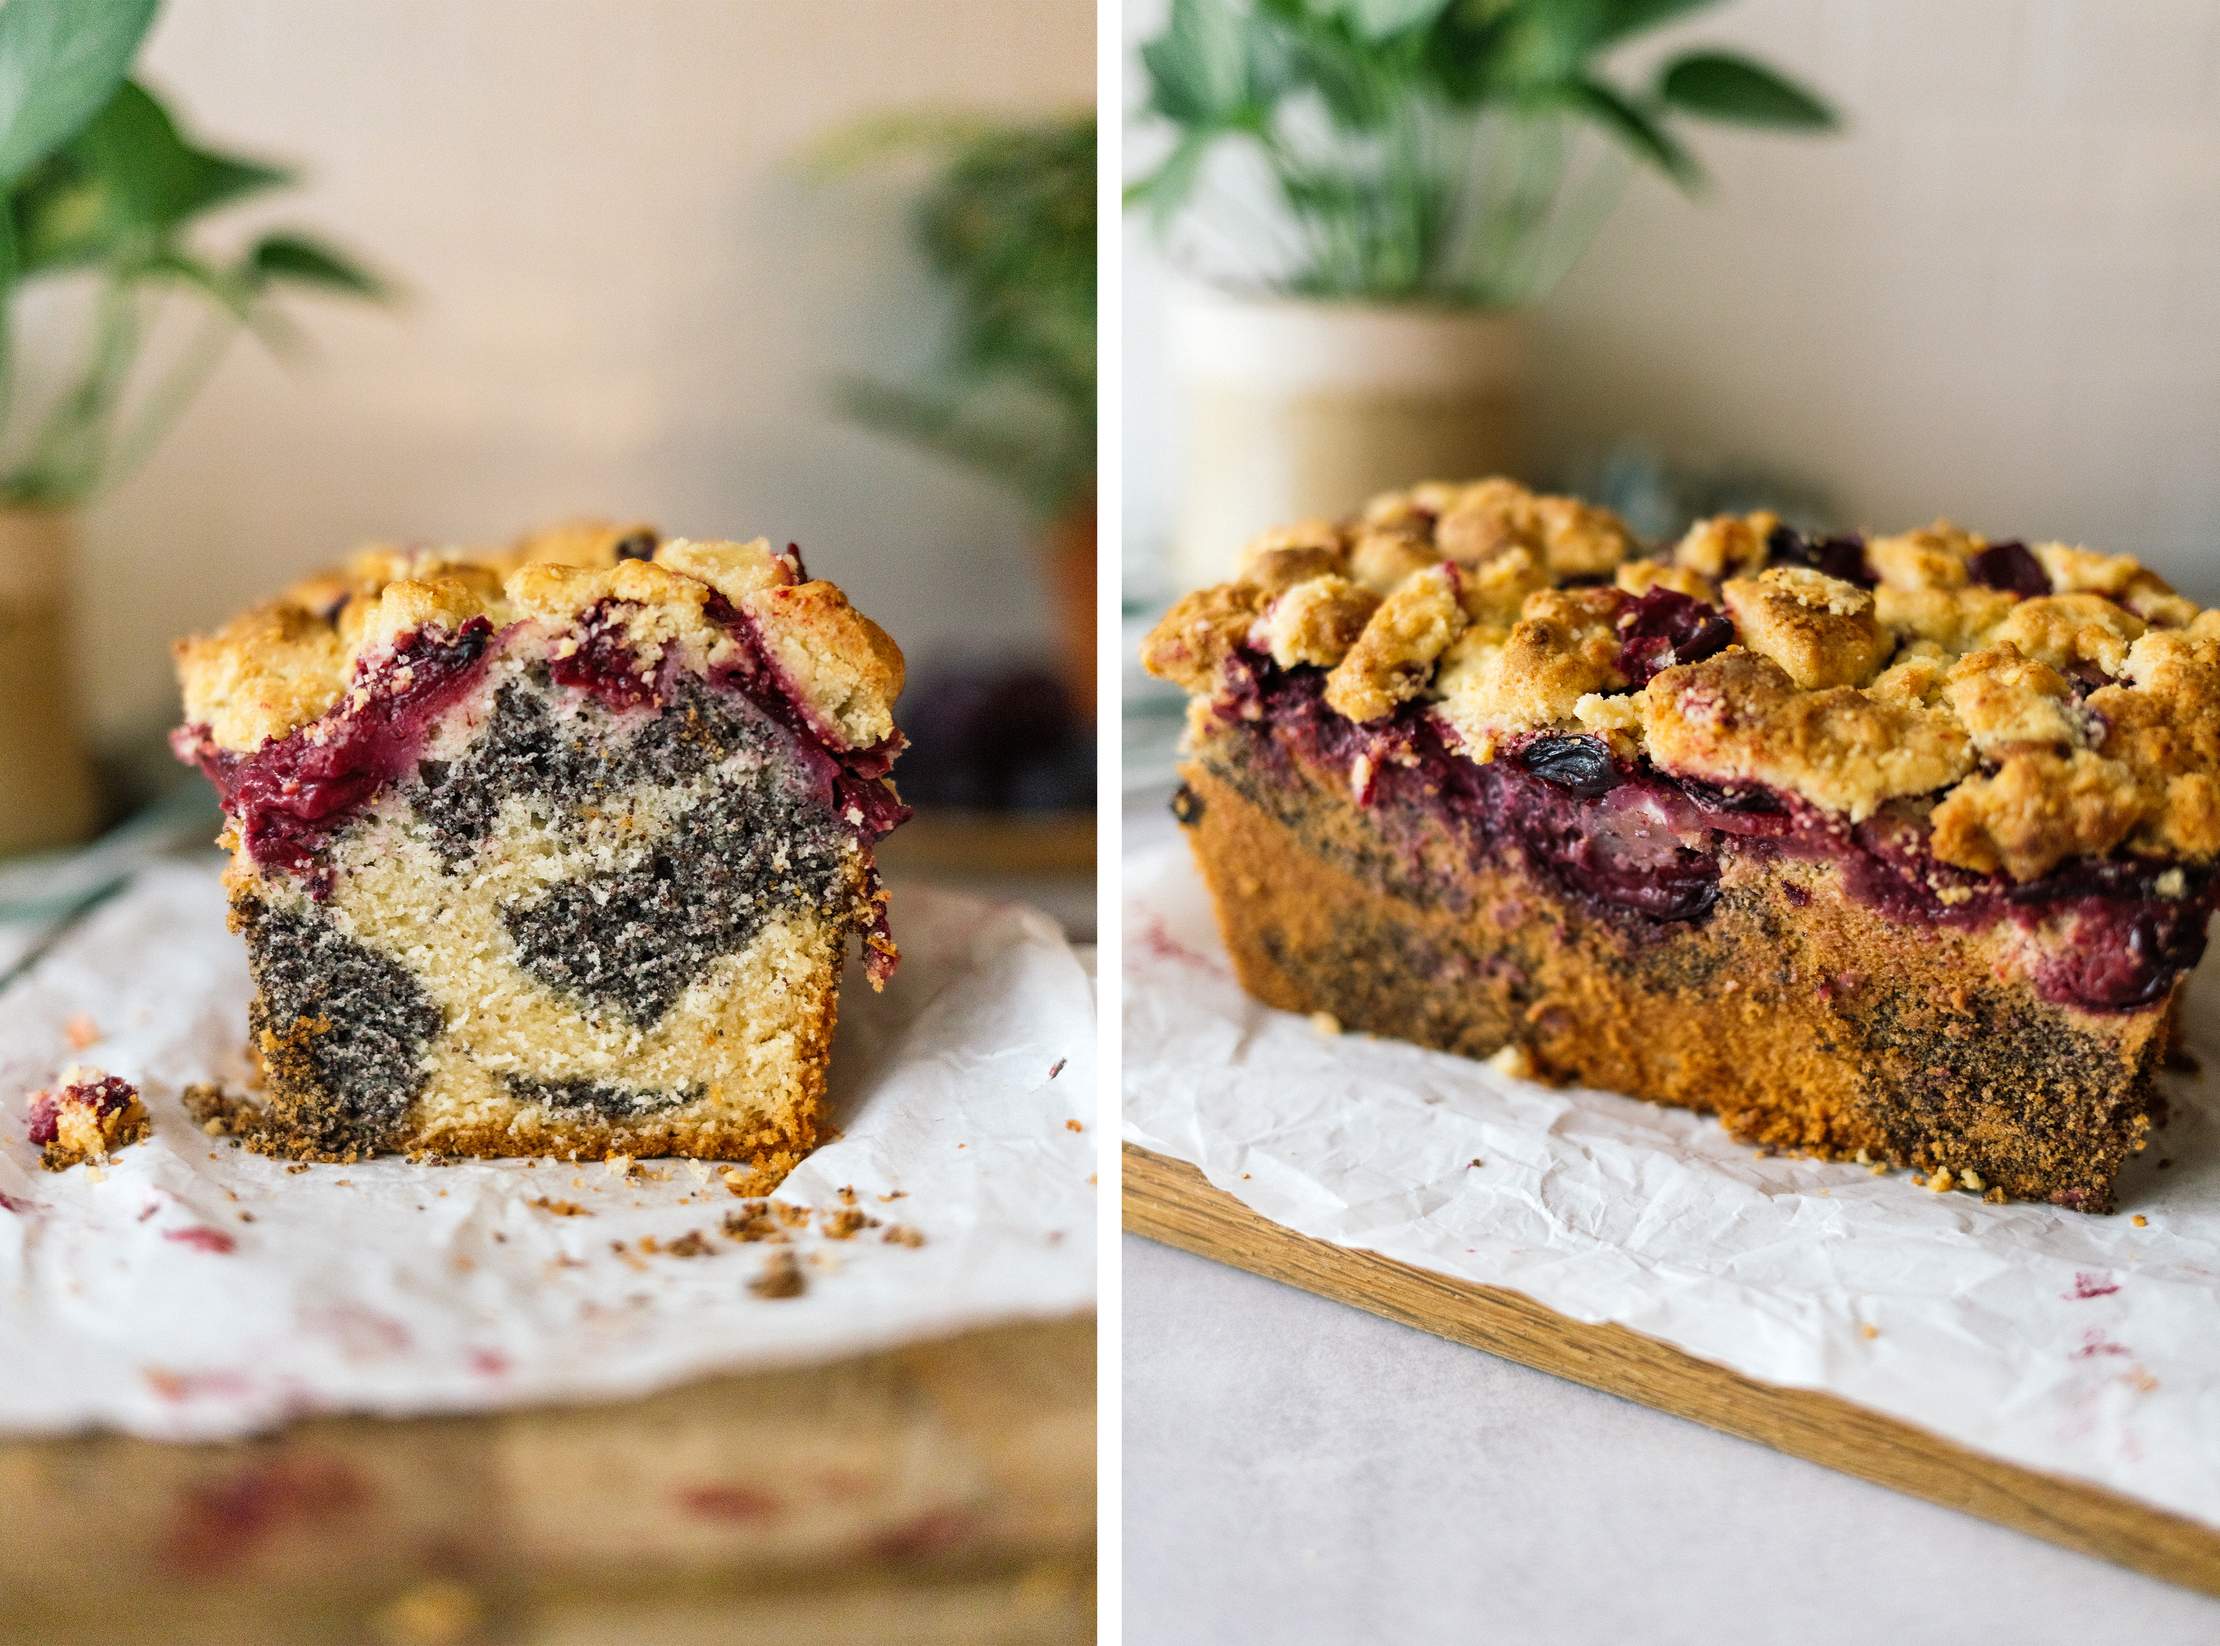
{"points": [[1369, 192], [1006, 222], [102, 190]]}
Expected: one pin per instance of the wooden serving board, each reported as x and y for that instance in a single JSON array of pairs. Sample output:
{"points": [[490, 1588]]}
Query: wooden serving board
{"points": [[940, 1493], [1171, 1201]]}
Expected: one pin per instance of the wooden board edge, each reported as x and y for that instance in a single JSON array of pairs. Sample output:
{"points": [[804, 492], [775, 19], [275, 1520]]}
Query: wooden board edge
{"points": [[1169, 1201]]}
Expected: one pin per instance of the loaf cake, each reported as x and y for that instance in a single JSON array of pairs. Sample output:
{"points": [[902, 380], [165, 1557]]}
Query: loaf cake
{"points": [[552, 849], [1894, 848]]}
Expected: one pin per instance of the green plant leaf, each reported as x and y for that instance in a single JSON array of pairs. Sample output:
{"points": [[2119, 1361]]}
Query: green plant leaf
{"points": [[1164, 191], [124, 183], [1382, 19], [1636, 128], [1722, 86], [1198, 66], [60, 62], [295, 259], [232, 289], [1617, 19], [1465, 53]]}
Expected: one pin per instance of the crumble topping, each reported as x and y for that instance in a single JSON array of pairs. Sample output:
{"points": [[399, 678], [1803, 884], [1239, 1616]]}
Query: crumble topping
{"points": [[1392, 658], [1821, 631], [2032, 703], [283, 665], [1317, 621], [1563, 648]]}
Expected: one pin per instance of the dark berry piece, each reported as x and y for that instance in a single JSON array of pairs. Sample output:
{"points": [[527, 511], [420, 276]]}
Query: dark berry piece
{"points": [[1665, 627], [2009, 566], [1841, 557], [636, 546], [1731, 798], [1581, 765]]}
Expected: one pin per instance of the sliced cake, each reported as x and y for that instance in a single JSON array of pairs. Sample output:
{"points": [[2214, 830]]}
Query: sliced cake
{"points": [[1895, 848], [550, 850]]}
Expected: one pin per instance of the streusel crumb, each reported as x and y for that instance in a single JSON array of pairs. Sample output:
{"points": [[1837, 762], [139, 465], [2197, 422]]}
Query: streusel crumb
{"points": [[89, 1116]]}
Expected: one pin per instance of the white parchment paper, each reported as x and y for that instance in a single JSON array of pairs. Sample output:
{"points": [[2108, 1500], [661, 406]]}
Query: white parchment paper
{"points": [[190, 1289], [2087, 1346]]}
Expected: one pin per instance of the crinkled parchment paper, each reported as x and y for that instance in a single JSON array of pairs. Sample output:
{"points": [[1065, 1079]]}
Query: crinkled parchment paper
{"points": [[2086, 1346], [190, 1289]]}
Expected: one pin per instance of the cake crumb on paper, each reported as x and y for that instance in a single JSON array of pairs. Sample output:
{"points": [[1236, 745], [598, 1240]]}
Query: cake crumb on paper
{"points": [[1514, 1060], [1325, 1023], [753, 1222], [88, 1117], [781, 1276], [2140, 1221]]}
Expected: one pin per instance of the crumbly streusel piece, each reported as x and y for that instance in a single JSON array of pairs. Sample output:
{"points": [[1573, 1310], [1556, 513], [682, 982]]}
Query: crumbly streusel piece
{"points": [[550, 849], [89, 1116]]}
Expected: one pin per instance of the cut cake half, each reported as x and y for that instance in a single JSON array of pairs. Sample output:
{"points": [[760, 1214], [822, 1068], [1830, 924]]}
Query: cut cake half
{"points": [[555, 849]]}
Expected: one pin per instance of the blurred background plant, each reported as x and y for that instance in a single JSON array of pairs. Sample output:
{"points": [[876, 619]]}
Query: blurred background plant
{"points": [[104, 195], [1423, 150], [1004, 223], [1368, 198], [101, 184]]}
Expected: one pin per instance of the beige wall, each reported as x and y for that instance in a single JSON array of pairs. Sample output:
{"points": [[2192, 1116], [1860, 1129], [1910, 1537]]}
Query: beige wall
{"points": [[625, 298], [1997, 296]]}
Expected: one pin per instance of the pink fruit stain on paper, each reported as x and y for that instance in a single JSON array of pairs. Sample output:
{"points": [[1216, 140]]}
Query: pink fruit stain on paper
{"points": [[2088, 1285], [1157, 939], [2095, 1343], [202, 1238]]}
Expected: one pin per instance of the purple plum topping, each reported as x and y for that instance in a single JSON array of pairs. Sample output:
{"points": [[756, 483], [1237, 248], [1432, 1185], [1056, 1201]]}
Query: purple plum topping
{"points": [[1665, 627], [1581, 765], [2010, 567], [1840, 557], [602, 661], [1634, 842], [2124, 953], [293, 794]]}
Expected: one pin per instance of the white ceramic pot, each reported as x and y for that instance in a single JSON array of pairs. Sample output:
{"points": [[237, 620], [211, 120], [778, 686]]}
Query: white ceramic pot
{"points": [[46, 788], [1298, 410]]}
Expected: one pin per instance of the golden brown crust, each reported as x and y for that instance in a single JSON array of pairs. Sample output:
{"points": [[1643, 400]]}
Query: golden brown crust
{"points": [[283, 664], [1928, 686]]}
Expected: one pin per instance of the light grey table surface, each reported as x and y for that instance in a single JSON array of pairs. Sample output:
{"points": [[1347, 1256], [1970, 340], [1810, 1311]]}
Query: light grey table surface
{"points": [[1300, 1473]]}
